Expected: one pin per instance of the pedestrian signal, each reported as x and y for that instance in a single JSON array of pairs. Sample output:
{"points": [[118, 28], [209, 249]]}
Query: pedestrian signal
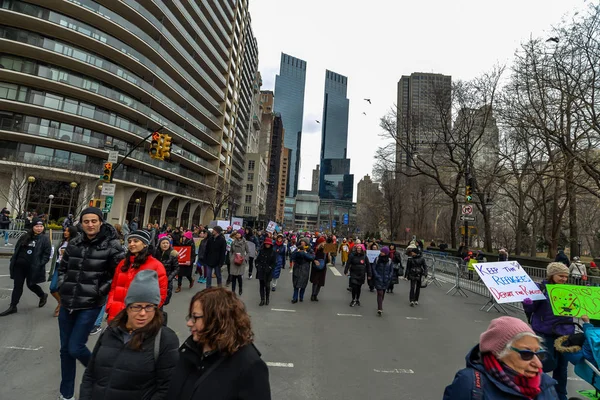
{"points": [[469, 194], [155, 146], [106, 172], [95, 203]]}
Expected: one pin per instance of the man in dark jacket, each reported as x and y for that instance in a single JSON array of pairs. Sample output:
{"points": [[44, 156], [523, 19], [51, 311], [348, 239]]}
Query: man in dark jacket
{"points": [[5, 224], [562, 257], [84, 278], [216, 246]]}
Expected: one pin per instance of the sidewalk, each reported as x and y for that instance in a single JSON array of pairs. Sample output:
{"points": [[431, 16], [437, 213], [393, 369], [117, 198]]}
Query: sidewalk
{"points": [[6, 251]]}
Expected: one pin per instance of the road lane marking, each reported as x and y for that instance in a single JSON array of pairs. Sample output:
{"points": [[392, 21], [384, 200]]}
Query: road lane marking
{"points": [[24, 348], [349, 315], [417, 318], [335, 271], [280, 364], [5, 288], [282, 310], [572, 378], [394, 371], [4, 276]]}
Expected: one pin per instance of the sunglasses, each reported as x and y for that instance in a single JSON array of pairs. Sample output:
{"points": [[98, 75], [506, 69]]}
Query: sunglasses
{"points": [[527, 355]]}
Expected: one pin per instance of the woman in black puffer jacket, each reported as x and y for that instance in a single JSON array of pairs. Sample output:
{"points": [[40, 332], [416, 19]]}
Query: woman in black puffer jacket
{"points": [[136, 355], [168, 256]]}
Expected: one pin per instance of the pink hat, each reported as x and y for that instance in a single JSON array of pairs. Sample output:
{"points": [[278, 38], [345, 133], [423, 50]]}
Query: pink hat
{"points": [[162, 235], [188, 235], [500, 333]]}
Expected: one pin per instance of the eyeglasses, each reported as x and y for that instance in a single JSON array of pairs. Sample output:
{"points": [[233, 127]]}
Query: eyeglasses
{"points": [[527, 355], [194, 317], [138, 308]]}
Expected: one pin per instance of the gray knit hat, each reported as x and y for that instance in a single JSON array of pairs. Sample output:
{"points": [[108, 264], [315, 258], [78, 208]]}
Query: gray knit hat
{"points": [[143, 236], [144, 288]]}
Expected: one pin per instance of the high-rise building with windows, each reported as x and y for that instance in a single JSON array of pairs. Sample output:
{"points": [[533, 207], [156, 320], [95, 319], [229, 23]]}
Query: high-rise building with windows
{"points": [[289, 102], [336, 182], [80, 79]]}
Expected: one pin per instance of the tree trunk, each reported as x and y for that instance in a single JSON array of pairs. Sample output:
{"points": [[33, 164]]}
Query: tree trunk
{"points": [[572, 199], [453, 222], [533, 250], [487, 227]]}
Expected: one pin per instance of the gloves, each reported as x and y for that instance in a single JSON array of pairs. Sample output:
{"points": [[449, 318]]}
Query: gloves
{"points": [[528, 301]]}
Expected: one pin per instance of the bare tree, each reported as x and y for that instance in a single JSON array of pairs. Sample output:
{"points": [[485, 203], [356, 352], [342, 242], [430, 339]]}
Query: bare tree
{"points": [[220, 198]]}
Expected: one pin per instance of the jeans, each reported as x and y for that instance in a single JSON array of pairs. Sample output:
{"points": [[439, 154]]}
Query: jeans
{"points": [[209, 273], [333, 259], [21, 274], [295, 296], [557, 363], [415, 289], [100, 316], [380, 296], [6, 237], [75, 328], [316, 289], [236, 279]]}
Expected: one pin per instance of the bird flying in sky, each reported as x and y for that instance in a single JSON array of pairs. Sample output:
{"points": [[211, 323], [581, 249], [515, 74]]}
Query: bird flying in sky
{"points": [[552, 39], [317, 121], [369, 100]]}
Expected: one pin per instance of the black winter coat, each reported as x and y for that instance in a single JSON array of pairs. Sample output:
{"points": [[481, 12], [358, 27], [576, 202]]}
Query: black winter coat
{"points": [[87, 268], [41, 256], [358, 266], [202, 250], [116, 372], [415, 268], [170, 260], [241, 376], [215, 251], [265, 264]]}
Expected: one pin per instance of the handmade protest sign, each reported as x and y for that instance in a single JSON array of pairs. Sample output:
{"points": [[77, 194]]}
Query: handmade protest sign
{"points": [[372, 255], [185, 254], [575, 301], [508, 282], [237, 223], [271, 227]]}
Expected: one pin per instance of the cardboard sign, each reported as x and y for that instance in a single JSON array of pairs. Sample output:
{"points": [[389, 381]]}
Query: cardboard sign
{"points": [[574, 300], [372, 255], [330, 248], [508, 282], [271, 227], [237, 223], [185, 254]]}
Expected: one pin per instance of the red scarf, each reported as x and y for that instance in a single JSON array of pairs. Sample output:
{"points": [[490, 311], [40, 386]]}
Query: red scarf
{"points": [[529, 387]]}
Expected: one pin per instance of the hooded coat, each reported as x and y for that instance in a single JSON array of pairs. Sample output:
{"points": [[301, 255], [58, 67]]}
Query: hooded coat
{"points": [[302, 264], [383, 270], [358, 267], [265, 263], [464, 384], [238, 246]]}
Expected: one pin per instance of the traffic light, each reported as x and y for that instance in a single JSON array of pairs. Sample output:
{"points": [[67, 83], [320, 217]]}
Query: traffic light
{"points": [[106, 172], [95, 203], [155, 146], [469, 194], [166, 146]]}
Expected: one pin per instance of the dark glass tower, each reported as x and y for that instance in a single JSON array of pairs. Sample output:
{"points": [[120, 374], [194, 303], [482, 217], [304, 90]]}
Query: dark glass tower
{"points": [[289, 102], [336, 182]]}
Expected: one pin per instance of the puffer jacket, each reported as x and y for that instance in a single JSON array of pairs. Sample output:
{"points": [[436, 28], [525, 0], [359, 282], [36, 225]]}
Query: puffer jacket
{"points": [[464, 385], [543, 319], [383, 270], [358, 267], [121, 281], [87, 268], [415, 268], [116, 372]]}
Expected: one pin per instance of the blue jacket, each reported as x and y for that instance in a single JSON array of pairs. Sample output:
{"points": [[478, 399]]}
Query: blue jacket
{"points": [[382, 273], [543, 319], [464, 384]]}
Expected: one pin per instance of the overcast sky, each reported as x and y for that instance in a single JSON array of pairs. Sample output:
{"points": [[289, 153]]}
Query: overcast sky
{"points": [[375, 42]]}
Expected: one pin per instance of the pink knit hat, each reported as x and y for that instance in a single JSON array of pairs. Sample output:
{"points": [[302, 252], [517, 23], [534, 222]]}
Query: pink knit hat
{"points": [[188, 235], [500, 333]]}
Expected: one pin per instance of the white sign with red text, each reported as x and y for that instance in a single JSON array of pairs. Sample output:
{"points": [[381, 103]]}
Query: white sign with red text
{"points": [[508, 282]]}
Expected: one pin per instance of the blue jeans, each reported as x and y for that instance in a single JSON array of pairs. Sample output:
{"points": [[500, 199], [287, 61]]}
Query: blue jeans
{"points": [[333, 260], [74, 327], [6, 237], [100, 316], [558, 364], [209, 272], [295, 296]]}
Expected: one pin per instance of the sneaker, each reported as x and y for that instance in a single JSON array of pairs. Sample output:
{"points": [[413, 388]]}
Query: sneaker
{"points": [[96, 330], [412, 303], [379, 312], [352, 303], [65, 398], [357, 303], [416, 303], [273, 289], [249, 276]]}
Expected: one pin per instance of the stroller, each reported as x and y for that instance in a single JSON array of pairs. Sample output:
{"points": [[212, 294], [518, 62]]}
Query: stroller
{"points": [[571, 348]]}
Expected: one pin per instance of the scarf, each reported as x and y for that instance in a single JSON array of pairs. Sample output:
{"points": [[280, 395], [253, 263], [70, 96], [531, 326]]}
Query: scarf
{"points": [[529, 387]]}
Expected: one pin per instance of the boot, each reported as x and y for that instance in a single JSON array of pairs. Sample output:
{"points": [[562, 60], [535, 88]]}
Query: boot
{"points": [[267, 300], [57, 297], [43, 300], [11, 310], [262, 302], [178, 289]]}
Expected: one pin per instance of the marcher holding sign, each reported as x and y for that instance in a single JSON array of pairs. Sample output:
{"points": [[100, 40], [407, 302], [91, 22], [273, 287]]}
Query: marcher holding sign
{"points": [[549, 326]]}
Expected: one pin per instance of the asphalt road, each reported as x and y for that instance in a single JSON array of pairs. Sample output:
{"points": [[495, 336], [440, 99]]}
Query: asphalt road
{"points": [[323, 350]]}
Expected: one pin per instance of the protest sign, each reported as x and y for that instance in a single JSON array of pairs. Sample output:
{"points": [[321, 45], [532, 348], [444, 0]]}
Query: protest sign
{"points": [[224, 224], [237, 223], [330, 248], [228, 240], [185, 254], [271, 227], [508, 282], [575, 301], [372, 255]]}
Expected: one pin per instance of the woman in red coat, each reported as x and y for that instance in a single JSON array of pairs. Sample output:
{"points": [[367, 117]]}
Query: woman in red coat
{"points": [[138, 258]]}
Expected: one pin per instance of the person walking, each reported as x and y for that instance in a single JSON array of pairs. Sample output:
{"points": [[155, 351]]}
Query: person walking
{"points": [[280, 252], [397, 265], [136, 355], [84, 279], [68, 234], [344, 251], [382, 271], [5, 225], [215, 255], [303, 260], [562, 257], [318, 270], [416, 270], [357, 266], [372, 246], [253, 248], [138, 258], [577, 271], [549, 326], [265, 264], [186, 270], [28, 264], [238, 259], [203, 234], [168, 256]]}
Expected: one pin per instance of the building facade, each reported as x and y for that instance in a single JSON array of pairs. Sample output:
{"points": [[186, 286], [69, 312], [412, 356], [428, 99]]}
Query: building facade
{"points": [[276, 153], [80, 79], [289, 102]]}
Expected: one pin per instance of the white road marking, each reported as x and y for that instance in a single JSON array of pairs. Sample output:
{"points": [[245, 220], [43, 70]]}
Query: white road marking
{"points": [[335, 271], [395, 371], [5, 288], [421, 319], [4, 276], [349, 315], [282, 310], [24, 348], [572, 378], [280, 364]]}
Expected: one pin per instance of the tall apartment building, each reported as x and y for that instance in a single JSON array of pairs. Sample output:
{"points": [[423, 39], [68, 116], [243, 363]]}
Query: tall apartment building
{"points": [[283, 175], [289, 102], [418, 116], [336, 182], [480, 124], [276, 154], [315, 179], [80, 79]]}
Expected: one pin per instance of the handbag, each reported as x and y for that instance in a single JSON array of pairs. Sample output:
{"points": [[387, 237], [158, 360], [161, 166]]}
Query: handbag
{"points": [[238, 259], [319, 264], [424, 281]]}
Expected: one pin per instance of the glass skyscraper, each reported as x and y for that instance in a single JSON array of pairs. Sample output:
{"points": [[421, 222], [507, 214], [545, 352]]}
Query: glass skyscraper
{"points": [[336, 182], [289, 102]]}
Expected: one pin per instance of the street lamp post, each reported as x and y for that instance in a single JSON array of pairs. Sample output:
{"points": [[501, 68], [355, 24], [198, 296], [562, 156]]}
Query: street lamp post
{"points": [[30, 181], [137, 207], [51, 197], [73, 186]]}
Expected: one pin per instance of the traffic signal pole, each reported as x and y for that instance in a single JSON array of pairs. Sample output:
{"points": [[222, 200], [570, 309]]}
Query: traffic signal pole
{"points": [[141, 142]]}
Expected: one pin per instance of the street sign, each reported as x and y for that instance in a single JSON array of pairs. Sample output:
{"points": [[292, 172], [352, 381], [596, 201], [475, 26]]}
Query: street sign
{"points": [[346, 219], [467, 210], [108, 189], [113, 157], [105, 210], [334, 223], [467, 218], [109, 201]]}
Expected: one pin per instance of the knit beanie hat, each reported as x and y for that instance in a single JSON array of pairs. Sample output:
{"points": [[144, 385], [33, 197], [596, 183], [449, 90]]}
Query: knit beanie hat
{"points": [[188, 235], [37, 221], [385, 250], [162, 239], [500, 332], [144, 288], [555, 268], [142, 236], [91, 210], [241, 231]]}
